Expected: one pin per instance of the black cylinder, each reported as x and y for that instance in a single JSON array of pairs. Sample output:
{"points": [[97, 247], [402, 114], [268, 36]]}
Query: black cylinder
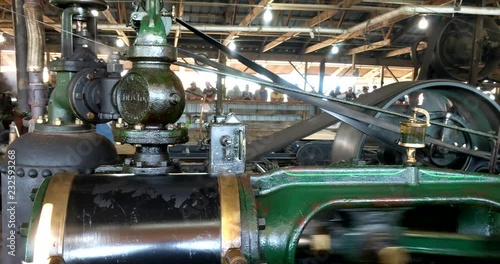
{"points": [[143, 219]]}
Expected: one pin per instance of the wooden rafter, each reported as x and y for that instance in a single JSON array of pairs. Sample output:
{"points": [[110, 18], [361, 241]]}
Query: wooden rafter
{"points": [[368, 28], [323, 16], [254, 12], [45, 19], [341, 20], [406, 76], [338, 70], [389, 32], [107, 14], [235, 11], [372, 46], [372, 72], [178, 31], [8, 60], [406, 50]]}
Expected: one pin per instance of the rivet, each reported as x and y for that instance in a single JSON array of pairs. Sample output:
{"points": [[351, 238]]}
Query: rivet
{"points": [[20, 172], [46, 173], [32, 173]]}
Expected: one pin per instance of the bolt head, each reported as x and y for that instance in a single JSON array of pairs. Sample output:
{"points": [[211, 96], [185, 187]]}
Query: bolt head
{"points": [[261, 222], [90, 115], [57, 121], [175, 98]]}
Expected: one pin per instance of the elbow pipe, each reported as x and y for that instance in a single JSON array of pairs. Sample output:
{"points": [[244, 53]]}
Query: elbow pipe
{"points": [[38, 92]]}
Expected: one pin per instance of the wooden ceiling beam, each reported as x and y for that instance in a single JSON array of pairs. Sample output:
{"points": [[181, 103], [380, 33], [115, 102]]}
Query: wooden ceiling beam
{"points": [[372, 72], [178, 31], [367, 28], [406, 50], [107, 14], [371, 46], [338, 70], [321, 17], [254, 12], [45, 18]]}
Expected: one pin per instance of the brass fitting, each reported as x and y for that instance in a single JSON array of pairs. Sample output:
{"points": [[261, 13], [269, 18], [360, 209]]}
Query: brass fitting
{"points": [[234, 256], [393, 255], [40, 120], [57, 122]]}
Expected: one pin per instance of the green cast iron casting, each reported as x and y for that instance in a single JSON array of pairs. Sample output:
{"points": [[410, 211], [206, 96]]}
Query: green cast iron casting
{"points": [[58, 103], [289, 198], [150, 93]]}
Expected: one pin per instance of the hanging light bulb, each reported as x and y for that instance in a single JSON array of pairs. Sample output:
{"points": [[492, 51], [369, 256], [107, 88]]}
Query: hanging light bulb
{"points": [[335, 49], [94, 13], [120, 43], [232, 45], [268, 15], [423, 23]]}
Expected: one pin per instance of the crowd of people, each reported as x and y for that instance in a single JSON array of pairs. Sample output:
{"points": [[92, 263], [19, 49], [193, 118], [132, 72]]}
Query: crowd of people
{"points": [[209, 94], [350, 94], [193, 92]]}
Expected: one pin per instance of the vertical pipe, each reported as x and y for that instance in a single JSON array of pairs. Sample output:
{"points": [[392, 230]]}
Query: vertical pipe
{"points": [[476, 47], [38, 92], [321, 76], [221, 86], [21, 53], [382, 76], [305, 76]]}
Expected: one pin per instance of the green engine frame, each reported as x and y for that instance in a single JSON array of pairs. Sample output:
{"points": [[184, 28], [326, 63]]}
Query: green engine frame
{"points": [[276, 207]]}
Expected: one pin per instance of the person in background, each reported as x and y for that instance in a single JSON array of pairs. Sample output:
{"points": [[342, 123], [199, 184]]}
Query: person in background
{"points": [[350, 95], [209, 92], [365, 91], [277, 97], [261, 94], [193, 92], [234, 94], [335, 93], [247, 95]]}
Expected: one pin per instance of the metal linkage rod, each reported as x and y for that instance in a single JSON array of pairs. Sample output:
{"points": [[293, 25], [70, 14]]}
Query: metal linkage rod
{"points": [[337, 110], [340, 112]]}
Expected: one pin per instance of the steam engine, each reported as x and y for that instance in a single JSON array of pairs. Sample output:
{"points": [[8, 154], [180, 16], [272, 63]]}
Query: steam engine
{"points": [[76, 201]]}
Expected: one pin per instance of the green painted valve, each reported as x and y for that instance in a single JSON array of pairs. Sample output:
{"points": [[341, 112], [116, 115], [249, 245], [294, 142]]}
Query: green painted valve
{"points": [[150, 94]]}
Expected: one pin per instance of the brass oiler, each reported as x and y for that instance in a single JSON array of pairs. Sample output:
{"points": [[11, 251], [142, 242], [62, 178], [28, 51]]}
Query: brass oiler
{"points": [[413, 134]]}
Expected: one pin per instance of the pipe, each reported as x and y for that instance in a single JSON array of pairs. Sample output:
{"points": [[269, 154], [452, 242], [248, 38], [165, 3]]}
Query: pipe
{"points": [[21, 48], [38, 92], [224, 28], [426, 9]]}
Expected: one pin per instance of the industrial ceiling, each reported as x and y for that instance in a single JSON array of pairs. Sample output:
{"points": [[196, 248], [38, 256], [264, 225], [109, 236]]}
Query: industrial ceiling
{"points": [[377, 32]]}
